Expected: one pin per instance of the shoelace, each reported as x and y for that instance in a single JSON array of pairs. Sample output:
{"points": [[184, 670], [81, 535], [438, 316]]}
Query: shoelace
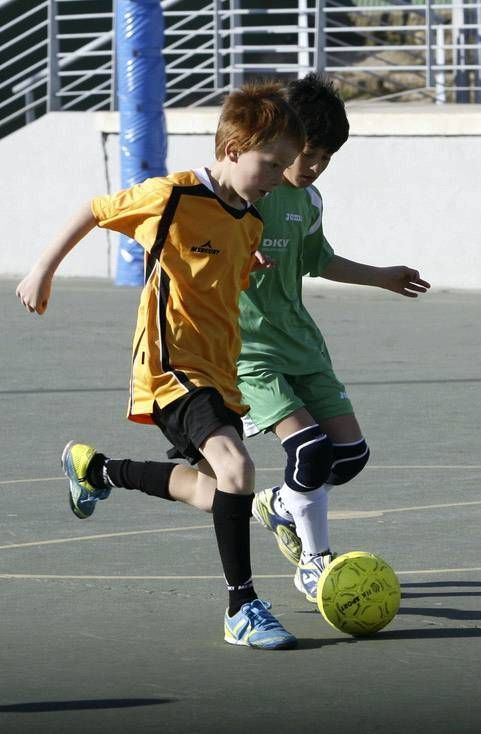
{"points": [[261, 617]]}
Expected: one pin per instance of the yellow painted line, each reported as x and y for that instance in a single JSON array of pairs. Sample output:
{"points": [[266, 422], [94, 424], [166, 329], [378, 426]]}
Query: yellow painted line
{"points": [[84, 577]]}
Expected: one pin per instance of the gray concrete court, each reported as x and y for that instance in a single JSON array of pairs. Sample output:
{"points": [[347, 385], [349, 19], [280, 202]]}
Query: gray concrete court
{"points": [[115, 624]]}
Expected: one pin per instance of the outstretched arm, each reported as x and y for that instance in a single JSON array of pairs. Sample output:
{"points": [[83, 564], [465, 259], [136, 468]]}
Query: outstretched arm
{"points": [[34, 290], [399, 278]]}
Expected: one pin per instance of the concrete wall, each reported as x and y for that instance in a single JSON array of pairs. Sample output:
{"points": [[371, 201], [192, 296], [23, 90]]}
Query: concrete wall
{"points": [[406, 188]]}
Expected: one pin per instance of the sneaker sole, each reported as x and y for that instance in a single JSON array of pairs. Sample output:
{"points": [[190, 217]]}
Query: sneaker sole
{"points": [[286, 645], [75, 509], [286, 539]]}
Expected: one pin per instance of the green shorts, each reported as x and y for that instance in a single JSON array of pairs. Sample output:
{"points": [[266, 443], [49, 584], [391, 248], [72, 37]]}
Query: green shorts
{"points": [[273, 396]]}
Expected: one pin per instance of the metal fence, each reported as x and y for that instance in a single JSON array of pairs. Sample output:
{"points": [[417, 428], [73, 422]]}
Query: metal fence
{"points": [[59, 55]]}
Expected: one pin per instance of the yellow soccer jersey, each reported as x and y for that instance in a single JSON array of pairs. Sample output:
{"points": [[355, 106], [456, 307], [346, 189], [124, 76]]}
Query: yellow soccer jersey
{"points": [[198, 254]]}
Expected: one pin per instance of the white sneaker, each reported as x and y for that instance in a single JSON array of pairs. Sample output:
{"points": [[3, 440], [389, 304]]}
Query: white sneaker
{"points": [[307, 574]]}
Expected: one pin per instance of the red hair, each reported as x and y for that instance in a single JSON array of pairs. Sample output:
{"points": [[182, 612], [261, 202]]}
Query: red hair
{"points": [[255, 115]]}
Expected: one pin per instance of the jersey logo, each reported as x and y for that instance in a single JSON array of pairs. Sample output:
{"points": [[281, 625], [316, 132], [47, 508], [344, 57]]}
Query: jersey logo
{"points": [[293, 217], [275, 243], [204, 249]]}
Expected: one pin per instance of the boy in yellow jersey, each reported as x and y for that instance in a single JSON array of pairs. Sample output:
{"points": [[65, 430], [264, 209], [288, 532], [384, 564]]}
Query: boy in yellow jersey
{"points": [[200, 234]]}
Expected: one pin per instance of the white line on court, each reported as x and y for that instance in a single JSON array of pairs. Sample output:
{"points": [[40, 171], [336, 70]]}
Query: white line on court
{"points": [[27, 576], [378, 467], [105, 535], [336, 515], [30, 481]]}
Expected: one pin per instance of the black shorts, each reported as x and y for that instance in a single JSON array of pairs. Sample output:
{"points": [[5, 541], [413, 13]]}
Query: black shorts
{"points": [[188, 421]]}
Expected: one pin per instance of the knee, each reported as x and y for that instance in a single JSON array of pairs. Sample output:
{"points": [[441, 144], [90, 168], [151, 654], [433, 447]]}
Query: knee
{"points": [[349, 459], [309, 459], [236, 472]]}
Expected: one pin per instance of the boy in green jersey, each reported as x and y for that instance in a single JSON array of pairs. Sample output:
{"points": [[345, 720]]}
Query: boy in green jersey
{"points": [[285, 372]]}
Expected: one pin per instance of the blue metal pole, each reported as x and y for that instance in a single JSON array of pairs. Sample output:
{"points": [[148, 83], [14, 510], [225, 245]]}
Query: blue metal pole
{"points": [[139, 36]]}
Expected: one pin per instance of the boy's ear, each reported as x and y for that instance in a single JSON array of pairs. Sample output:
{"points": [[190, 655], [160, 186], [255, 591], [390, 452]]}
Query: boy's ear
{"points": [[231, 151]]}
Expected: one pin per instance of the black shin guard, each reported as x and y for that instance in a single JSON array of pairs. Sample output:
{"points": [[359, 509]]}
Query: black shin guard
{"points": [[150, 477], [231, 514]]}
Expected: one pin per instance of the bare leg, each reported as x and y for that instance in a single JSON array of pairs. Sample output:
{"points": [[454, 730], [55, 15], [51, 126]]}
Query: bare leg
{"points": [[340, 429], [194, 486]]}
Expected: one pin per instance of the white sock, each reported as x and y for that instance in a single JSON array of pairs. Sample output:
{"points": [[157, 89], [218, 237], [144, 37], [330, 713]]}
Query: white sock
{"points": [[309, 512], [280, 508]]}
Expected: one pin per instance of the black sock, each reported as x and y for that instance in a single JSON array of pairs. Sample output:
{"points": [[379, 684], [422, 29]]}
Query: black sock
{"points": [[232, 513], [151, 477]]}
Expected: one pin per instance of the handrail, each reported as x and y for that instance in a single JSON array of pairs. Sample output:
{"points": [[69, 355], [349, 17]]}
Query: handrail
{"points": [[68, 60], [434, 51]]}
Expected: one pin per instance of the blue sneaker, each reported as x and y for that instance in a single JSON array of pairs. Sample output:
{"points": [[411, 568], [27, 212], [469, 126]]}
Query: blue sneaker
{"points": [[255, 626], [308, 574], [82, 496], [284, 530]]}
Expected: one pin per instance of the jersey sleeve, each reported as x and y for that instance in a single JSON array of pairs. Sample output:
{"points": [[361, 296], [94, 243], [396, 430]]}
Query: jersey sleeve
{"points": [[135, 212], [316, 250]]}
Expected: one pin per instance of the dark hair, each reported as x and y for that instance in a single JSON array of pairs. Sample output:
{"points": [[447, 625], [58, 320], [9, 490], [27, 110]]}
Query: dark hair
{"points": [[321, 109], [255, 115]]}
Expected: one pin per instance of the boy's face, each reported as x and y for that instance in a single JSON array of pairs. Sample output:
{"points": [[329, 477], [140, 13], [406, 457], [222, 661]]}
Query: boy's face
{"points": [[307, 167], [259, 170]]}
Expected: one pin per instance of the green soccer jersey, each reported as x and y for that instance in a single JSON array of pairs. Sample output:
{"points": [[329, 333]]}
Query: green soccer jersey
{"points": [[277, 331]]}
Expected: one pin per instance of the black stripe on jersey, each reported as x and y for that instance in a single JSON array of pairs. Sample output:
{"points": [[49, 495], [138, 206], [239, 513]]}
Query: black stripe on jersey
{"points": [[164, 226], [136, 349], [166, 221], [131, 386], [201, 189], [236, 213], [164, 289]]}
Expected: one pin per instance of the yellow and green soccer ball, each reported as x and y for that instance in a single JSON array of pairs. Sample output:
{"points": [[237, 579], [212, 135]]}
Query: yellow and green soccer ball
{"points": [[358, 593]]}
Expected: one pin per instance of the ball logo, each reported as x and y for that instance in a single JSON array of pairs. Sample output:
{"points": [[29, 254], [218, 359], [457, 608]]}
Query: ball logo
{"points": [[349, 603]]}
